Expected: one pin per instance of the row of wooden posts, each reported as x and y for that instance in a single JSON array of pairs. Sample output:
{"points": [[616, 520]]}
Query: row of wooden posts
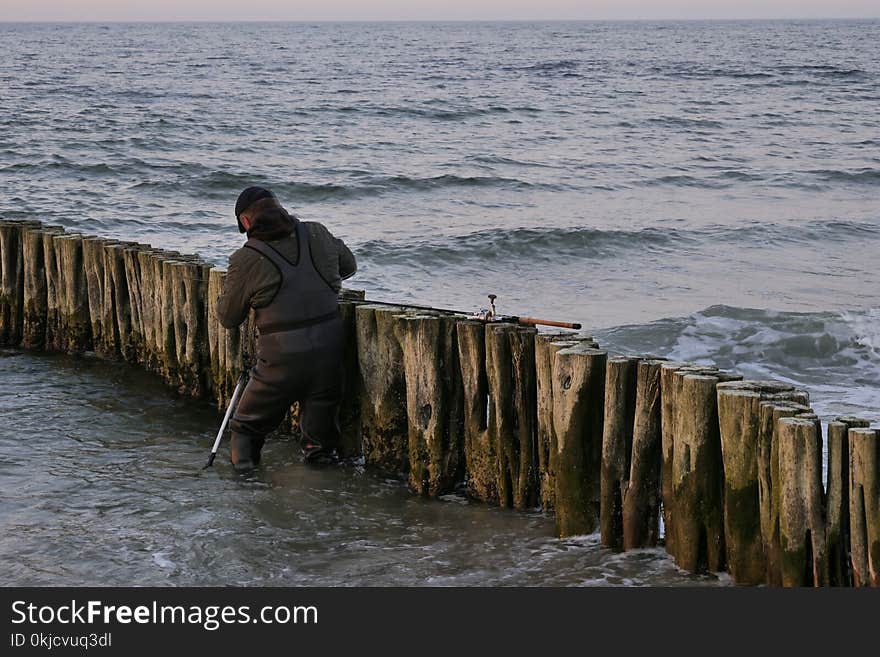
{"points": [[731, 469]]}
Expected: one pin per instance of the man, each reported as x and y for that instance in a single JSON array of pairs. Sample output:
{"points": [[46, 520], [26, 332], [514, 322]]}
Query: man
{"points": [[290, 272]]}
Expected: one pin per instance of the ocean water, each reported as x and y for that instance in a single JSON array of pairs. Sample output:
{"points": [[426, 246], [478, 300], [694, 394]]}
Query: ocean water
{"points": [[706, 191]]}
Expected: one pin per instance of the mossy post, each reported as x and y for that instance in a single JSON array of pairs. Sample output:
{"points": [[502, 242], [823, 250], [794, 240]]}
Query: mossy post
{"points": [[383, 408], [546, 346], [116, 305], [864, 505], [769, 483], [697, 475], [837, 533], [512, 425], [433, 401], [641, 502], [12, 280], [578, 406], [481, 473], [68, 325], [103, 332], [34, 299], [667, 442], [617, 438], [804, 560]]}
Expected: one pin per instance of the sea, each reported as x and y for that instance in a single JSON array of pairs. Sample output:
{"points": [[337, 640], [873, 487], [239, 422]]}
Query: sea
{"points": [[702, 191]]}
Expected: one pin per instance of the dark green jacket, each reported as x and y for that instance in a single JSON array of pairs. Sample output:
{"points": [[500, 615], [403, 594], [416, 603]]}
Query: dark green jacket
{"points": [[252, 281]]}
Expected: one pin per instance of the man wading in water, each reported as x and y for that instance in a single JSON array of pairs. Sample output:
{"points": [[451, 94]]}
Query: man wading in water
{"points": [[290, 272]]}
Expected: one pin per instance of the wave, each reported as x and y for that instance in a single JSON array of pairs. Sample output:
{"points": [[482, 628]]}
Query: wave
{"points": [[553, 244], [834, 355]]}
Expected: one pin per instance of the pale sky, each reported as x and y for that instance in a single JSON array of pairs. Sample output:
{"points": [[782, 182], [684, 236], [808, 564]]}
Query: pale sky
{"points": [[311, 10]]}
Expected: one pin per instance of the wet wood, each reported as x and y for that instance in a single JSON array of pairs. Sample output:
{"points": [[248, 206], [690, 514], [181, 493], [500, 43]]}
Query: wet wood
{"points": [[578, 406], [804, 559], [697, 521], [739, 415], [383, 409], [641, 501], [34, 298], [864, 505], [667, 441], [617, 439], [350, 408], [768, 483], [546, 346], [68, 325], [512, 425], [12, 268], [837, 531], [433, 401], [481, 472]]}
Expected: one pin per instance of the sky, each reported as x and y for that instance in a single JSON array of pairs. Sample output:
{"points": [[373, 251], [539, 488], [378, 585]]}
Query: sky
{"points": [[313, 10]]}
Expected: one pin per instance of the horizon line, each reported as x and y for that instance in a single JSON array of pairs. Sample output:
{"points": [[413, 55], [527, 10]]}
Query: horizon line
{"points": [[445, 20]]}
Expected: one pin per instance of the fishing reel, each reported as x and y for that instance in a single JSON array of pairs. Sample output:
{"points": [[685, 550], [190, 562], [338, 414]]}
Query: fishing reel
{"points": [[488, 314]]}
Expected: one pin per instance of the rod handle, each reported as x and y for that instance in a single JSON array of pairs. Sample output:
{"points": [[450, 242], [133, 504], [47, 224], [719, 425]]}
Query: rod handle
{"points": [[534, 321]]}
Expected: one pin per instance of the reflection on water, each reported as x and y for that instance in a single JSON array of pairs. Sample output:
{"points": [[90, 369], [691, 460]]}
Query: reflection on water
{"points": [[100, 484]]}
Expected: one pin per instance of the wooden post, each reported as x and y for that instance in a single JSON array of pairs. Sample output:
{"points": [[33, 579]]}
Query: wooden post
{"points": [[433, 401], [34, 281], [12, 280], [578, 405], [801, 512], [864, 505], [350, 408], [103, 331], [667, 442], [116, 305], [67, 318], [769, 483], [481, 473], [510, 374], [697, 522], [189, 291], [641, 501], [739, 416], [837, 535], [383, 409], [546, 346], [617, 438]]}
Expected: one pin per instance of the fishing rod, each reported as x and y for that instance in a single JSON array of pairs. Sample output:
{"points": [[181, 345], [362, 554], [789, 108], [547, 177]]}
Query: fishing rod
{"points": [[485, 314], [235, 395]]}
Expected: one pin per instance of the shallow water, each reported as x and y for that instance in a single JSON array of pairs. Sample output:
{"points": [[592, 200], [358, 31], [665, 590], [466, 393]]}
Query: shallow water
{"points": [[705, 191], [100, 484]]}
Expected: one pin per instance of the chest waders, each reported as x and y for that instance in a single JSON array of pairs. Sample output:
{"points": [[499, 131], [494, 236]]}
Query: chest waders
{"points": [[299, 358]]}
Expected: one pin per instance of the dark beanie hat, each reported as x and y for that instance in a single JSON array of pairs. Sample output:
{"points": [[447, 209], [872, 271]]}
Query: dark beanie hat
{"points": [[247, 198]]}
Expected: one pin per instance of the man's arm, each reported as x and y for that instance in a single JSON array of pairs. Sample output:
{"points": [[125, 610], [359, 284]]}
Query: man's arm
{"points": [[245, 280], [347, 262]]}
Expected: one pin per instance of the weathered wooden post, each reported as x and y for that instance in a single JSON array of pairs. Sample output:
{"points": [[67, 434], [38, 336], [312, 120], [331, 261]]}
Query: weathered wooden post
{"points": [[189, 290], [510, 374], [801, 511], [350, 409], [116, 305], [739, 416], [433, 401], [667, 442], [68, 326], [383, 409], [546, 346], [641, 503], [578, 405], [12, 280], [617, 438], [864, 505], [103, 332], [769, 482], [697, 519], [479, 451], [837, 536], [35, 286]]}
